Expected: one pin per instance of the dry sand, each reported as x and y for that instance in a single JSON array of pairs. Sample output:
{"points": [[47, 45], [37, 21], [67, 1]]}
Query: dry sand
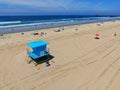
{"points": [[81, 62]]}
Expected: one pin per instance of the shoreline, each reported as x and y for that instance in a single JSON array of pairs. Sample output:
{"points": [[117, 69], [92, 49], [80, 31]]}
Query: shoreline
{"points": [[10, 36], [40, 26]]}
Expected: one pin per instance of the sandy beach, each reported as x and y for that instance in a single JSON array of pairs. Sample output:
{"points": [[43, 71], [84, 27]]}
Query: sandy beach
{"points": [[80, 62]]}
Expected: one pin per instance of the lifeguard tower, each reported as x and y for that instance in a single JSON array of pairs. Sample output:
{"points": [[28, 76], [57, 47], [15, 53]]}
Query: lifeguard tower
{"points": [[38, 51]]}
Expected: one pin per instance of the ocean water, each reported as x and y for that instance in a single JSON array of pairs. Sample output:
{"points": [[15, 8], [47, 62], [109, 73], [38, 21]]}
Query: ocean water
{"points": [[11, 24]]}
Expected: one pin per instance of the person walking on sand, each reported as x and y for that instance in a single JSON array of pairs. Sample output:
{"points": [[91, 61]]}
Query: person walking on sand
{"points": [[76, 29], [115, 34]]}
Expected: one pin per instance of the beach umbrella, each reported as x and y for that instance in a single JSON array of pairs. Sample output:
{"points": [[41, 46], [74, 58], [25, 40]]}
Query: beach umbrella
{"points": [[97, 35]]}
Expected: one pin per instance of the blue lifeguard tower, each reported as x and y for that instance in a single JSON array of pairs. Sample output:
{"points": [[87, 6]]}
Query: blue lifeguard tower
{"points": [[39, 50]]}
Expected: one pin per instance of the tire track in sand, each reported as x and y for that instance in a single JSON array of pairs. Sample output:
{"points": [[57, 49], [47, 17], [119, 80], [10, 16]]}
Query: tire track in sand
{"points": [[103, 72]]}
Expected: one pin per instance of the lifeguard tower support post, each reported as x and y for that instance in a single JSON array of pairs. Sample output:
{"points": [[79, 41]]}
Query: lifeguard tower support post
{"points": [[38, 49]]}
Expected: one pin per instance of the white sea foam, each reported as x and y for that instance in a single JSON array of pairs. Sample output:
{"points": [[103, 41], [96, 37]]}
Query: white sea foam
{"points": [[10, 22], [32, 24]]}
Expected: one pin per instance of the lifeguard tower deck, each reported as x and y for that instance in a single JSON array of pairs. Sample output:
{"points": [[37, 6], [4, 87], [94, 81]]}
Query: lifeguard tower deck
{"points": [[38, 50]]}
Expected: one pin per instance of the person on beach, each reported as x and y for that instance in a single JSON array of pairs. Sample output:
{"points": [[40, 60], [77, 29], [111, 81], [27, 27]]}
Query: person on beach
{"points": [[76, 29], [115, 34], [45, 33], [22, 33], [63, 28], [42, 33], [1, 34]]}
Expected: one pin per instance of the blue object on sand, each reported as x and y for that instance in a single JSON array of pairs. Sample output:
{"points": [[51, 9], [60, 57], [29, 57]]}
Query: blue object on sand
{"points": [[47, 64], [39, 49]]}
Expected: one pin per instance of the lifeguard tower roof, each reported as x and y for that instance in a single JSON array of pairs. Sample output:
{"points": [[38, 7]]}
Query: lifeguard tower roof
{"points": [[38, 49], [37, 44]]}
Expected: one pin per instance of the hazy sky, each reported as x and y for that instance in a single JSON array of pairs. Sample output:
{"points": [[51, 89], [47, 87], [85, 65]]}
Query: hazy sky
{"points": [[59, 7]]}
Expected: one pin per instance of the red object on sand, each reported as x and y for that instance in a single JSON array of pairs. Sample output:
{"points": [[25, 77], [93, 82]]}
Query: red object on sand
{"points": [[97, 35]]}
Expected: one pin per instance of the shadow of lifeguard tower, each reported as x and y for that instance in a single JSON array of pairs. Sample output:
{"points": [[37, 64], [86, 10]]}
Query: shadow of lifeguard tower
{"points": [[39, 52]]}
